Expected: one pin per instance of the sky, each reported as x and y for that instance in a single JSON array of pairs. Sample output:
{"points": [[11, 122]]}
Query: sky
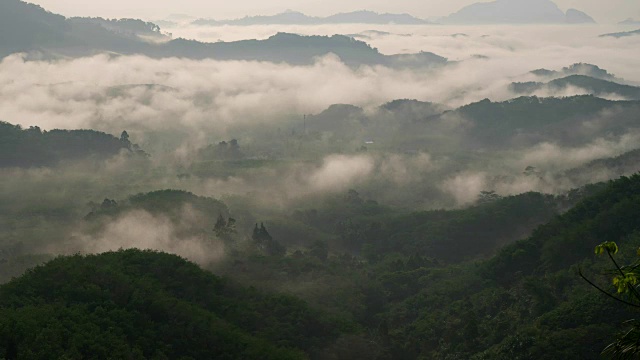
{"points": [[606, 11]]}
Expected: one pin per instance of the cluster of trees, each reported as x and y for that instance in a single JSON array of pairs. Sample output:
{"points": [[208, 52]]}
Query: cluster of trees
{"points": [[409, 294], [34, 147], [407, 285], [263, 240], [143, 304], [222, 151], [127, 27], [529, 120], [526, 301]]}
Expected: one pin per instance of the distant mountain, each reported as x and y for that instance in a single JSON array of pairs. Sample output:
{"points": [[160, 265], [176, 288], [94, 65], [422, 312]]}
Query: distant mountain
{"points": [[295, 49], [596, 87], [343, 117], [297, 18], [285, 18], [413, 109], [622, 34], [590, 70], [338, 118], [527, 121], [574, 16], [517, 12], [369, 17], [607, 168], [29, 28], [519, 123], [126, 27], [630, 21]]}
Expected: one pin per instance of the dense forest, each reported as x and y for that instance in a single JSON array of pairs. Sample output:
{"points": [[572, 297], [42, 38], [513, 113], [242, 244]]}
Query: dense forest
{"points": [[337, 275], [297, 187], [34, 147], [400, 300]]}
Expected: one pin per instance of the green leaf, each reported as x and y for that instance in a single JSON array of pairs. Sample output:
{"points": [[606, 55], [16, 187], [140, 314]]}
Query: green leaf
{"points": [[608, 246]]}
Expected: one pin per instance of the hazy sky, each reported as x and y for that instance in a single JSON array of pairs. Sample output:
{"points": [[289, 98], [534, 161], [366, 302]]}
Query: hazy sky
{"points": [[601, 10]]}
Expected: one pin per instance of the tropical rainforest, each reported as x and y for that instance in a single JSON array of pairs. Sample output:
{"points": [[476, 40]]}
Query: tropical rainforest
{"points": [[305, 195]]}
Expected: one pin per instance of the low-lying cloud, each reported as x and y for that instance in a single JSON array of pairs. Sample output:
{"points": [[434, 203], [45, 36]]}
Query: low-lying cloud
{"points": [[209, 99], [142, 230], [338, 172]]}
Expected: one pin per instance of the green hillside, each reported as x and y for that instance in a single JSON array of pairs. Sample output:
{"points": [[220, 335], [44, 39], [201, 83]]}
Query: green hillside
{"points": [[141, 304], [34, 147]]}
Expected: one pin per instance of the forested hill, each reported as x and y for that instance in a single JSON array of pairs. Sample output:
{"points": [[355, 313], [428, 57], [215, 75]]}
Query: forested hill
{"points": [[34, 147], [528, 300], [610, 215], [594, 86], [530, 120], [29, 28], [142, 304]]}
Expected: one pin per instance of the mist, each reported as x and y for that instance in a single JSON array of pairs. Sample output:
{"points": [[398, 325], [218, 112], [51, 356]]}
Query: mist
{"points": [[202, 98], [615, 10], [176, 108], [141, 230]]}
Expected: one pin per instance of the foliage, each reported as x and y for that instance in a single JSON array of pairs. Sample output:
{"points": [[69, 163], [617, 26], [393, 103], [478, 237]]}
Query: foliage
{"points": [[625, 281], [34, 147], [263, 240], [150, 305]]}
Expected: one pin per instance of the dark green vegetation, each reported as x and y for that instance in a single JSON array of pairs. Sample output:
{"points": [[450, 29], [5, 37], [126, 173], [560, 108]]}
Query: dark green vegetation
{"points": [[513, 124], [624, 279], [335, 275], [167, 202], [34, 147], [410, 126], [408, 231], [135, 305], [476, 231], [627, 163], [429, 285], [527, 300], [530, 120]]}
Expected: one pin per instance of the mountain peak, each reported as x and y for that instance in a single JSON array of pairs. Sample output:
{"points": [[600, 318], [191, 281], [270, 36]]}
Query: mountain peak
{"points": [[578, 17], [517, 12]]}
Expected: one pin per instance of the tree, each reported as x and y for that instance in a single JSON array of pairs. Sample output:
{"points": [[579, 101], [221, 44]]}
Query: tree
{"points": [[108, 204], [319, 249], [488, 197], [223, 228], [353, 197], [265, 242], [625, 280], [124, 137]]}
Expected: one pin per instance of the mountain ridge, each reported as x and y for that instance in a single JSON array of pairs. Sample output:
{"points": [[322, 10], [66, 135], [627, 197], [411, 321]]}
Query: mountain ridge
{"points": [[517, 12], [26, 28], [595, 86], [297, 18]]}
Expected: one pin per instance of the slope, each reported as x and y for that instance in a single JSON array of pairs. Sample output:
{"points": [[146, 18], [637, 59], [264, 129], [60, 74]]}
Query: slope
{"points": [[34, 147], [144, 304], [593, 86], [528, 301], [30, 29]]}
